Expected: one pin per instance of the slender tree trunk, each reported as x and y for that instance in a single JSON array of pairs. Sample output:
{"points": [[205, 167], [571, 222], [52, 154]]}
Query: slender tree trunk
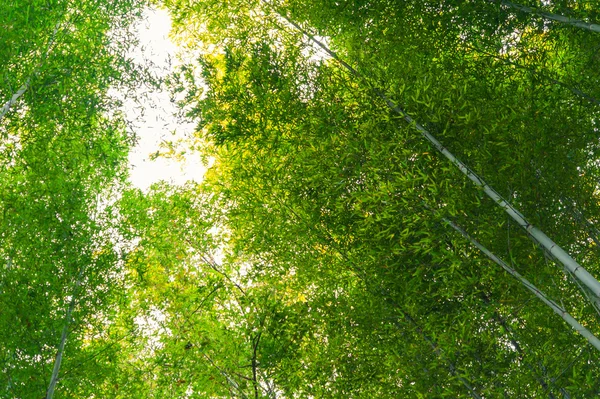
{"points": [[579, 271], [60, 352], [537, 292], [547, 15], [63, 339], [6, 107], [19, 93]]}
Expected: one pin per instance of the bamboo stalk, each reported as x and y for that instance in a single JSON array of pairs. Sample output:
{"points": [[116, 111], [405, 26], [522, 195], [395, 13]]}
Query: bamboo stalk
{"points": [[548, 15], [15, 97], [6, 107], [63, 339], [60, 352], [591, 338], [536, 234]]}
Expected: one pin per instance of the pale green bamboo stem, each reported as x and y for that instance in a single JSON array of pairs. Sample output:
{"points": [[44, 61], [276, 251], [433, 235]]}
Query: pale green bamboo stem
{"points": [[63, 339], [60, 352], [15, 97], [7, 106], [591, 338]]}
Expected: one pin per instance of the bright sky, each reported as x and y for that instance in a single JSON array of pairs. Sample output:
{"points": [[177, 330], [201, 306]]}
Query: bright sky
{"points": [[154, 121], [153, 118]]}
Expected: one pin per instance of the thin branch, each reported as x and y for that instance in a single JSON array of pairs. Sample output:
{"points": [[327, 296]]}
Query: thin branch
{"points": [[513, 340], [203, 302], [270, 388], [434, 346], [578, 23], [582, 220], [255, 342], [567, 368], [213, 265], [564, 85]]}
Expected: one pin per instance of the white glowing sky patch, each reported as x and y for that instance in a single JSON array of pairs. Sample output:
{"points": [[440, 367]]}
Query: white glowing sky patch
{"points": [[152, 114]]}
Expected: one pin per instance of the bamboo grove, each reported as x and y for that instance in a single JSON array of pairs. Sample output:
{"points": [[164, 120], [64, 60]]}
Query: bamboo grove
{"points": [[402, 202]]}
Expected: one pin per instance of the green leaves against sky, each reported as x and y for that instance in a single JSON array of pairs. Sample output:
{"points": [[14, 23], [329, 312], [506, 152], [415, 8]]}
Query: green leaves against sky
{"points": [[317, 259]]}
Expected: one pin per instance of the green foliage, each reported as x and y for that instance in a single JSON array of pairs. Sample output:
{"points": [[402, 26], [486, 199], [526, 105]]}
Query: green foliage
{"points": [[313, 261], [62, 159], [315, 178]]}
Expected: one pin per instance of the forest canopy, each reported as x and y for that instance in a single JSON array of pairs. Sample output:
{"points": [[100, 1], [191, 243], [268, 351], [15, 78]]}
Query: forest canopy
{"points": [[402, 201]]}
